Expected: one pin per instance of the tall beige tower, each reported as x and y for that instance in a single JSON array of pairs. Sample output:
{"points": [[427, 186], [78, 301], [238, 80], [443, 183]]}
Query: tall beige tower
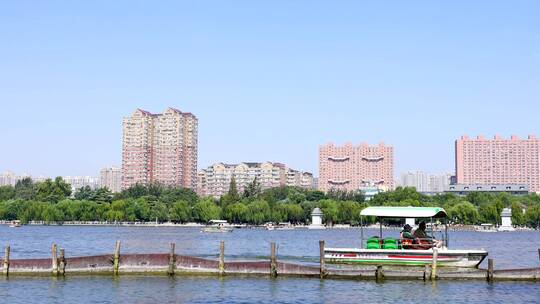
{"points": [[160, 148]]}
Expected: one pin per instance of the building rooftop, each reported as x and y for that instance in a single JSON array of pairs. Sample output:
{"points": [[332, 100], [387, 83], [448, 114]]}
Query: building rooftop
{"points": [[487, 188]]}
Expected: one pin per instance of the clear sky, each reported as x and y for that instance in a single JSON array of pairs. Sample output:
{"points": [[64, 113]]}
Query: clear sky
{"points": [[268, 80]]}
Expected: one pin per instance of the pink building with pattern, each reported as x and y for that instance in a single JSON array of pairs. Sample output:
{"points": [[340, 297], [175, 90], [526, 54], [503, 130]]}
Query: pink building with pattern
{"points": [[160, 148], [350, 167], [497, 161]]}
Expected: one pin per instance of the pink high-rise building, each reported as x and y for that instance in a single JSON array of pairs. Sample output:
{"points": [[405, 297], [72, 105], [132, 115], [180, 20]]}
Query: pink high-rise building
{"points": [[351, 167], [498, 161], [160, 148]]}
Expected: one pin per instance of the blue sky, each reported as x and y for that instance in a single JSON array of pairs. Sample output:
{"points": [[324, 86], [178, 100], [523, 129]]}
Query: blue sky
{"points": [[268, 80]]}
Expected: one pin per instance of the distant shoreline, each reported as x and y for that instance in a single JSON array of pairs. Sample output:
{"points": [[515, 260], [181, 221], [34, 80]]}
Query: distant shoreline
{"points": [[239, 226]]}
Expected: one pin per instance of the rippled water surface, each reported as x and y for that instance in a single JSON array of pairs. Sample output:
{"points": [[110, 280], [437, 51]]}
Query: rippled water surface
{"points": [[257, 290], [510, 250]]}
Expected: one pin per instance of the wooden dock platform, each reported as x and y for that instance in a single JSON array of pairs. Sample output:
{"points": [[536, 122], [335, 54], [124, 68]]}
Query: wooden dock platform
{"points": [[174, 264]]}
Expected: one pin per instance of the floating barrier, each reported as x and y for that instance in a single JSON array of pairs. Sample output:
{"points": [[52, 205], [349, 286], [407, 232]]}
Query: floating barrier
{"points": [[118, 264]]}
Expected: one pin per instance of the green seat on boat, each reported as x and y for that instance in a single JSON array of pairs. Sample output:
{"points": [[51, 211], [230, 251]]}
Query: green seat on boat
{"points": [[390, 244], [373, 243]]}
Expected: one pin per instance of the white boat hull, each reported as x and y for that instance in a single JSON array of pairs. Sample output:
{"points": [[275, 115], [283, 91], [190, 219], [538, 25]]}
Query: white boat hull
{"points": [[216, 230], [405, 257]]}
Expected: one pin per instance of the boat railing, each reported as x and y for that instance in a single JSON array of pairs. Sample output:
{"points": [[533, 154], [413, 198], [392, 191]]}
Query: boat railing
{"points": [[401, 243]]}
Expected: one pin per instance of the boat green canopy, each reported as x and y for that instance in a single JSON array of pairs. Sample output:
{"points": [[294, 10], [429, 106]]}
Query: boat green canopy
{"points": [[404, 212]]}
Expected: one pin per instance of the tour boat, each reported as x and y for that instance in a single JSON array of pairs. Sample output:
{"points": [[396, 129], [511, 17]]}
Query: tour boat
{"points": [[269, 226], [15, 224], [390, 251], [285, 226], [486, 228], [216, 226]]}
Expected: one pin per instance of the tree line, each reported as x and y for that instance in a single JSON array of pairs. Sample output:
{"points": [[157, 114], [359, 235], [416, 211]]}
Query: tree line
{"points": [[52, 201]]}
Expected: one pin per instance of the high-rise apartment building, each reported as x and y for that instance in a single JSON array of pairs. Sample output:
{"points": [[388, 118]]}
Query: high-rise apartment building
{"points": [[498, 161], [416, 179], [424, 182], [8, 179], [78, 182], [216, 179], [160, 148], [350, 167], [111, 178]]}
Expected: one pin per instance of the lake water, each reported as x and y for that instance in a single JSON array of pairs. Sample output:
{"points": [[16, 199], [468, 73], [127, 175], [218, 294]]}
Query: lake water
{"points": [[510, 250]]}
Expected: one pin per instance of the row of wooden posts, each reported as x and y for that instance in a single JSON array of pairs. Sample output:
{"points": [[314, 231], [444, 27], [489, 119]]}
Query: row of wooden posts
{"points": [[59, 262]]}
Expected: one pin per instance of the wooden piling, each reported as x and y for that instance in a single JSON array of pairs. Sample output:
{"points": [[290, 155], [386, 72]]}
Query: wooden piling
{"points": [[5, 270], [62, 262], [54, 260], [489, 275], [427, 272], [322, 267], [222, 258], [434, 264], [273, 260], [172, 260], [379, 273], [116, 258]]}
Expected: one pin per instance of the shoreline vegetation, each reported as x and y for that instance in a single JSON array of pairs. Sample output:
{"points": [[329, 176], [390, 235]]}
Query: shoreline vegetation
{"points": [[51, 202], [451, 227]]}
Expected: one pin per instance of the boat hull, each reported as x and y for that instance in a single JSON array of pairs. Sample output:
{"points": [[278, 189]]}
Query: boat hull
{"points": [[405, 257], [216, 230]]}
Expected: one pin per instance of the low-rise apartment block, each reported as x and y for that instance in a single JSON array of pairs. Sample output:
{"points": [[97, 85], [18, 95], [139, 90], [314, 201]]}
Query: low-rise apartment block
{"points": [[216, 179]]}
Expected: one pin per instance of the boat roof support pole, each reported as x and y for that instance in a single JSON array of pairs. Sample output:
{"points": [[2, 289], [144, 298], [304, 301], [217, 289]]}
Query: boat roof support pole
{"points": [[361, 233], [380, 228], [432, 232], [446, 232]]}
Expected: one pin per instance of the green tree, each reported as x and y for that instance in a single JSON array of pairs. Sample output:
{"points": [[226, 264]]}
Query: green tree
{"points": [[7, 193], [232, 195], [297, 197], [252, 190], [71, 209], [51, 214], [236, 213], [206, 210], [13, 209], [25, 189], [464, 213], [489, 213], [258, 212], [84, 193], [349, 212], [532, 216], [398, 195], [180, 212], [517, 214], [330, 210], [31, 211], [275, 194], [91, 211], [181, 194], [53, 191], [117, 211], [102, 195], [315, 195], [295, 214]]}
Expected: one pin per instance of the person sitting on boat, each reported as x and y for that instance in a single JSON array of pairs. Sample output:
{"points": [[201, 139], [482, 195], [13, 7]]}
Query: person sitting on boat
{"points": [[407, 237], [426, 240]]}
